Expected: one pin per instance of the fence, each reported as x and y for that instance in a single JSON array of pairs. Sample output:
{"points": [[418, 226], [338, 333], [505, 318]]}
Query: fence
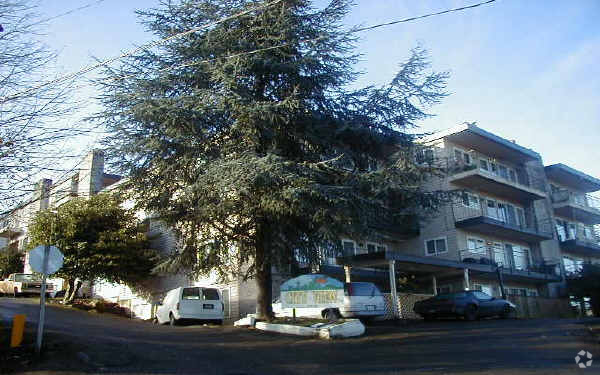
{"points": [[527, 306], [541, 307], [406, 302], [489, 167], [505, 214], [583, 200]]}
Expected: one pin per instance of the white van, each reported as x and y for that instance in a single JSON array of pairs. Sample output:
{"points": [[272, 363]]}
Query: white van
{"points": [[361, 300], [190, 304]]}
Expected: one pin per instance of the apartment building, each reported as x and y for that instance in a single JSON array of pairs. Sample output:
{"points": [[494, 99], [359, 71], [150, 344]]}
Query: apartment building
{"points": [[499, 228], [85, 180], [576, 216]]}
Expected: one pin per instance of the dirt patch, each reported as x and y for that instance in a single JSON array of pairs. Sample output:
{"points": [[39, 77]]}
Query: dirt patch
{"points": [[303, 322]]}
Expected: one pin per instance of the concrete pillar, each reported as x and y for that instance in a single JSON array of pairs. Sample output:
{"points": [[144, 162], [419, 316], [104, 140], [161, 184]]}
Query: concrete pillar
{"points": [[434, 285], [394, 293], [466, 279], [347, 271]]}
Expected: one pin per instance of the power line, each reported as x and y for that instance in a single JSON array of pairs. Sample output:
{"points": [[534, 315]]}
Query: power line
{"points": [[178, 35], [423, 16], [68, 12], [362, 29], [89, 68]]}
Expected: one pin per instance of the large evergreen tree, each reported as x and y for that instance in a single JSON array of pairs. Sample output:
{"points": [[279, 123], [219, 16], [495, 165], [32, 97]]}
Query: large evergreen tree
{"points": [[244, 136]]}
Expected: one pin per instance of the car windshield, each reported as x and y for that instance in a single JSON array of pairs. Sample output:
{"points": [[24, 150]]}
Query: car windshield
{"points": [[24, 277]]}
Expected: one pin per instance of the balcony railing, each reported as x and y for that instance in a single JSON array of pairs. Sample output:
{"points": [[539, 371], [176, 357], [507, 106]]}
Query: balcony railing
{"points": [[515, 176], [506, 215], [515, 260], [586, 234], [581, 200]]}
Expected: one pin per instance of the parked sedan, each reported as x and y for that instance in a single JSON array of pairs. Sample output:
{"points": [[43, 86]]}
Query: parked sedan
{"points": [[470, 304]]}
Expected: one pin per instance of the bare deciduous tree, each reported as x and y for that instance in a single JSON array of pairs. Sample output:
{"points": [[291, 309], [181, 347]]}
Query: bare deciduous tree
{"points": [[31, 137]]}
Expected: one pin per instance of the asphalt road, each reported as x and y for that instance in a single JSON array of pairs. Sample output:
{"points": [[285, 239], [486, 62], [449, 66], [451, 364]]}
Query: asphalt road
{"points": [[121, 346]]}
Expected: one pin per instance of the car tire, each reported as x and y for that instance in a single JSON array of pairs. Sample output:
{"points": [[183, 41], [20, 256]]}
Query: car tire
{"points": [[172, 320], [331, 315], [471, 313], [506, 311], [155, 320], [15, 292]]}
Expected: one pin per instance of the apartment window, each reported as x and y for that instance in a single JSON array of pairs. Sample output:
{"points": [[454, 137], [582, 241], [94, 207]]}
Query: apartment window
{"points": [[521, 257], [512, 175], [476, 245], [444, 289], [470, 200], [521, 217], [436, 246], [371, 247], [572, 264], [532, 293], [425, 156], [503, 171], [462, 156], [491, 209], [561, 226], [483, 165], [381, 248], [572, 231], [348, 247], [587, 232]]}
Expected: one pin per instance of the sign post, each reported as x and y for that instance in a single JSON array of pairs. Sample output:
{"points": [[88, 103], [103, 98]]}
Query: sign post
{"points": [[40, 330], [46, 260]]}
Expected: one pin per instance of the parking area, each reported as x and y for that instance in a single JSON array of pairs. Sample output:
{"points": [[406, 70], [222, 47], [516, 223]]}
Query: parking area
{"points": [[123, 346]]}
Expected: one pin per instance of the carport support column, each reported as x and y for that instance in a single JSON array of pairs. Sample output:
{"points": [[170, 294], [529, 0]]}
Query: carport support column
{"points": [[347, 271], [466, 280], [434, 285], [394, 292]]}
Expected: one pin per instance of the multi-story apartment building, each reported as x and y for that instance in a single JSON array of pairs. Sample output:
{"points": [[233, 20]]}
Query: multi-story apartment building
{"points": [[85, 180], [497, 230], [576, 214]]}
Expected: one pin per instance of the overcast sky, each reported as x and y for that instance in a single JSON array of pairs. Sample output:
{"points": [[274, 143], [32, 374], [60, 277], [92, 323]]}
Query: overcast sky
{"points": [[525, 70]]}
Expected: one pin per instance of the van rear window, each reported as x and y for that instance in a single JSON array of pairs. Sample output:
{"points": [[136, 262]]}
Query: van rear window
{"points": [[210, 294], [191, 293], [361, 289]]}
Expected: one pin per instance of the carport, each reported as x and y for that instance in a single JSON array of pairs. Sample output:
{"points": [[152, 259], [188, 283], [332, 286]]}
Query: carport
{"points": [[423, 267], [433, 268]]}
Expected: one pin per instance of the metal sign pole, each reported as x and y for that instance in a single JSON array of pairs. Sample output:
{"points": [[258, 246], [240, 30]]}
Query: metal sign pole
{"points": [[40, 330]]}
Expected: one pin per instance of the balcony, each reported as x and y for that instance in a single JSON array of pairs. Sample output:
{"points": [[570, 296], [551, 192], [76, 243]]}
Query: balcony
{"points": [[515, 262], [579, 207], [580, 240], [510, 183], [9, 228], [505, 222]]}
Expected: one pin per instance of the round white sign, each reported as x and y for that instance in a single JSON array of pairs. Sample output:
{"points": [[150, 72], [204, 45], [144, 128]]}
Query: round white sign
{"points": [[55, 259]]}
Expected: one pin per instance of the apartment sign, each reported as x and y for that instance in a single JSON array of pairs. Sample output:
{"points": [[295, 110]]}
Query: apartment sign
{"points": [[312, 291]]}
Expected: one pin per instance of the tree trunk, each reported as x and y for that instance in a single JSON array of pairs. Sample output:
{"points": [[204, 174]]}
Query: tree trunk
{"points": [[70, 286], [264, 298], [76, 285]]}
